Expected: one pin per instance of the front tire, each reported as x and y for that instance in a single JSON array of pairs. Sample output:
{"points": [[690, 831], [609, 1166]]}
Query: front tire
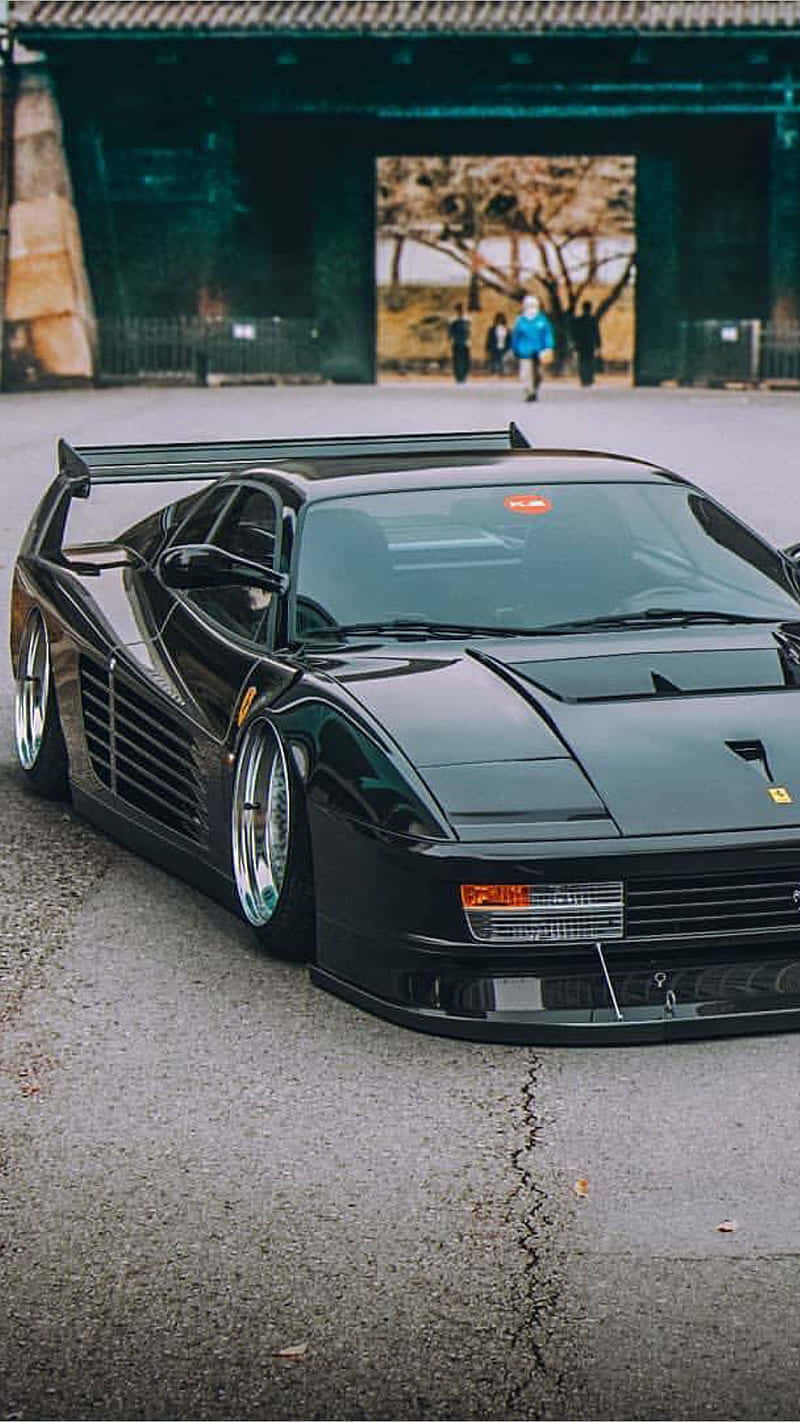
{"points": [[270, 846], [39, 740]]}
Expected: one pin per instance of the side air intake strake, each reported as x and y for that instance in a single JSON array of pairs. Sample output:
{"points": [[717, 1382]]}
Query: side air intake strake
{"points": [[141, 753]]}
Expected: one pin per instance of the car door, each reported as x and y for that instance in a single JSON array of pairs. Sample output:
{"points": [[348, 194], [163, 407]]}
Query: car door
{"points": [[214, 635]]}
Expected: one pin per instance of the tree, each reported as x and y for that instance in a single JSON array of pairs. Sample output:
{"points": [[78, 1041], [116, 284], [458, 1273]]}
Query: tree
{"points": [[568, 221]]}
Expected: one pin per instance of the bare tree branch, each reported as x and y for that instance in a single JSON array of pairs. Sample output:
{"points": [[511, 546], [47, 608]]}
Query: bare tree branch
{"points": [[450, 204], [617, 288]]}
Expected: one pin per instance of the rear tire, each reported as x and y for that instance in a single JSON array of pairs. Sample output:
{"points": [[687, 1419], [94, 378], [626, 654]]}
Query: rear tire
{"points": [[39, 740], [271, 846]]}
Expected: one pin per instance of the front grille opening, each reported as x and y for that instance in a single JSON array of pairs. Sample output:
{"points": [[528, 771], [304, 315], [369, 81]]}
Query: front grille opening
{"points": [[680, 907], [746, 900]]}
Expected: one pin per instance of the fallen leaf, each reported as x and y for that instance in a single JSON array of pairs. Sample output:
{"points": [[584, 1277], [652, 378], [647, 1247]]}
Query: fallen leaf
{"points": [[295, 1350], [727, 1227], [581, 1188]]}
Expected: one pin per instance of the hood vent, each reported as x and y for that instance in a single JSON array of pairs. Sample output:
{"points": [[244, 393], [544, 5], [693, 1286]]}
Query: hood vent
{"points": [[663, 686], [754, 753], [624, 676]]}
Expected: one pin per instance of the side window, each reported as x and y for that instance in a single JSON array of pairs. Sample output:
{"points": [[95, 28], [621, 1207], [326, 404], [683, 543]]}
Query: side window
{"points": [[247, 527], [200, 525]]}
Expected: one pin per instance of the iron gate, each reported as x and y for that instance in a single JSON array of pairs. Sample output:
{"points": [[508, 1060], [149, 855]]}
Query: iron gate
{"points": [[194, 349], [747, 352]]}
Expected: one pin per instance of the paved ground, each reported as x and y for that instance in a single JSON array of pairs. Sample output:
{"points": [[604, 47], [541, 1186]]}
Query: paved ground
{"points": [[205, 1160]]}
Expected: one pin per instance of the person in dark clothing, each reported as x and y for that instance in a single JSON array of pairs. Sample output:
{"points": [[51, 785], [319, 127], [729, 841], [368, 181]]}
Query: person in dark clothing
{"points": [[586, 340], [459, 334], [498, 344]]}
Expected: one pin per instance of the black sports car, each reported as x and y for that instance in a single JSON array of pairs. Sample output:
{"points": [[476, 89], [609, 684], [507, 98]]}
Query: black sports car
{"points": [[502, 740]]}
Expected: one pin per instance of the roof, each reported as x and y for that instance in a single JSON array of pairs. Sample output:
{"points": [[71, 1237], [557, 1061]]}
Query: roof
{"points": [[348, 477], [398, 17]]}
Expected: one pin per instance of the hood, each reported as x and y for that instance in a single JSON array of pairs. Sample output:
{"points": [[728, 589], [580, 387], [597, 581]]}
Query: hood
{"points": [[494, 765], [647, 742], [678, 740]]}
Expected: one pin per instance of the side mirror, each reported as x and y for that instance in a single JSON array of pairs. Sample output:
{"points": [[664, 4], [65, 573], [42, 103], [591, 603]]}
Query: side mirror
{"points": [[202, 565], [792, 552]]}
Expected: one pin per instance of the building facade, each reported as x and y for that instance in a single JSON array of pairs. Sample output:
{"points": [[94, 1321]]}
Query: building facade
{"points": [[220, 156]]}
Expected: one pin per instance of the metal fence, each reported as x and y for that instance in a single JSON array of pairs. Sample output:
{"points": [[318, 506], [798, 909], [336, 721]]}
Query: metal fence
{"points": [[192, 349], [780, 354], [738, 352]]}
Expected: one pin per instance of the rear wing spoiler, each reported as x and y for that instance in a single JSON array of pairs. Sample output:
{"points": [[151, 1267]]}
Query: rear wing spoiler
{"points": [[81, 468]]}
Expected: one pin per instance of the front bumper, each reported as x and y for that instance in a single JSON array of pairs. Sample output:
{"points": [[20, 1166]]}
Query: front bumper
{"points": [[393, 939]]}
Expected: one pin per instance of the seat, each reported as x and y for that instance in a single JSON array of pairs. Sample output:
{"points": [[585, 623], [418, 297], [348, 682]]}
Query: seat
{"points": [[345, 565], [572, 571]]}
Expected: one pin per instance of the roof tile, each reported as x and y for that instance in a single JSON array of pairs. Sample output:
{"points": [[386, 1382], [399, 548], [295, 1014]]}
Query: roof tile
{"points": [[399, 16]]}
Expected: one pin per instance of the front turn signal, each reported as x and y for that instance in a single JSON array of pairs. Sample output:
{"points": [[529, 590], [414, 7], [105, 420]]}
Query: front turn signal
{"points": [[495, 895]]}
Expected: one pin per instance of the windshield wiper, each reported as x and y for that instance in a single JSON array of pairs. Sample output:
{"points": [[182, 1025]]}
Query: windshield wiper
{"points": [[416, 627], [679, 616]]}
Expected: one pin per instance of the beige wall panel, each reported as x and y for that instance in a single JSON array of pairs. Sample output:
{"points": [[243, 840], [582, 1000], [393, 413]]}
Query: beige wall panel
{"points": [[47, 295], [38, 226], [40, 168], [41, 285], [35, 110], [61, 346]]}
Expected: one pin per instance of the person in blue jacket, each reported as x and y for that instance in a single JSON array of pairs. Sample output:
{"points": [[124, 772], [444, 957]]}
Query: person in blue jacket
{"points": [[532, 343]]}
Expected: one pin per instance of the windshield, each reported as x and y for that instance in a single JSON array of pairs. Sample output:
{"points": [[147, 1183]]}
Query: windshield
{"points": [[527, 557]]}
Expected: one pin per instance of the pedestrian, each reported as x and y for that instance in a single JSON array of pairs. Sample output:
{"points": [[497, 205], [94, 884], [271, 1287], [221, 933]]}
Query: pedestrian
{"points": [[532, 343], [459, 333], [586, 340], [498, 344]]}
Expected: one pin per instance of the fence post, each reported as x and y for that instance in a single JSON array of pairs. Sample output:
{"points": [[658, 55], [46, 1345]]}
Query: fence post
{"points": [[755, 352], [7, 84], [683, 353], [201, 353]]}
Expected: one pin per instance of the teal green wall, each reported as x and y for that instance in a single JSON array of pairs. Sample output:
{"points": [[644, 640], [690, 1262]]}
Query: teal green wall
{"points": [[246, 169], [344, 257], [658, 276]]}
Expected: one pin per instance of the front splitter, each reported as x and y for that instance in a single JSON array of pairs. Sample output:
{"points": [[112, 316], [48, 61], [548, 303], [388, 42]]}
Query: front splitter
{"points": [[618, 1024]]}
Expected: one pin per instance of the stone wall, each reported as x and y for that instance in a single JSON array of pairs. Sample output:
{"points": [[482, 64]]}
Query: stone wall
{"points": [[49, 320]]}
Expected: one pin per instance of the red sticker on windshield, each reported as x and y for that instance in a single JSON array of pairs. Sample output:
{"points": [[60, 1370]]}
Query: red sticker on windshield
{"points": [[528, 503]]}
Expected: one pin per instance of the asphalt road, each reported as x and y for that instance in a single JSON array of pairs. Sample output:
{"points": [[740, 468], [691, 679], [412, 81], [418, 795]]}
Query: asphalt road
{"points": [[205, 1161]]}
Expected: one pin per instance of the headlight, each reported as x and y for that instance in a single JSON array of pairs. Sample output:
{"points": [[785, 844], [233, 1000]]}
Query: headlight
{"points": [[543, 913]]}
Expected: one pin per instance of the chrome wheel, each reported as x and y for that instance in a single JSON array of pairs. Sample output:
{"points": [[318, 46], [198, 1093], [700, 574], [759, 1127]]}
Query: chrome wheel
{"points": [[33, 690], [260, 822]]}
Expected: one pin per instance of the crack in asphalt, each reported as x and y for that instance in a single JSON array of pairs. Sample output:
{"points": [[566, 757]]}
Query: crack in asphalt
{"points": [[527, 1209]]}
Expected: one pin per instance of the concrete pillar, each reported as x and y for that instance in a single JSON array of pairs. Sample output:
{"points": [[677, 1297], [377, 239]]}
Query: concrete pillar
{"points": [[784, 221], [6, 152], [344, 259], [49, 315], [658, 286]]}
